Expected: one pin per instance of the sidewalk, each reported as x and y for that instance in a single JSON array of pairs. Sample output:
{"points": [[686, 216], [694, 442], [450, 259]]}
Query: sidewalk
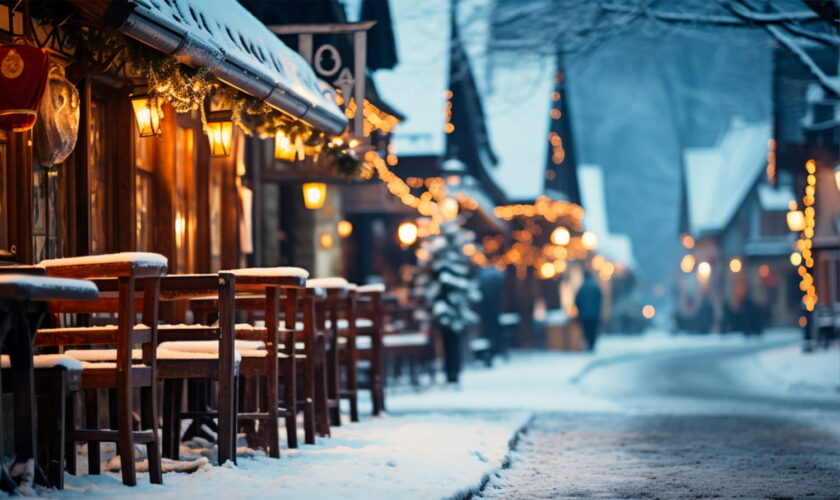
{"points": [[432, 444]]}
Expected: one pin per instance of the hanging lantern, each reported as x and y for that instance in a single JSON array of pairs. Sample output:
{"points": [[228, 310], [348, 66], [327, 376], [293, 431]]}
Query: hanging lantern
{"points": [[57, 127], [314, 195], [345, 228], [23, 77], [283, 147], [147, 114], [407, 233], [220, 134], [796, 220]]}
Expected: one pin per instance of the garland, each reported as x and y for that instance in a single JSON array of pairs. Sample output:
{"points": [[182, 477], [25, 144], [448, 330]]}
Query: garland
{"points": [[185, 89]]}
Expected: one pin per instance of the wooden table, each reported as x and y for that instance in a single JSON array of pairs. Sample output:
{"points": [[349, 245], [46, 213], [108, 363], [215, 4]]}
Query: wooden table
{"points": [[22, 308]]}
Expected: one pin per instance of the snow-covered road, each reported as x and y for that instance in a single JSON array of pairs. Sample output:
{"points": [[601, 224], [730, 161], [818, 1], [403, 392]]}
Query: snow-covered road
{"points": [[687, 423]]}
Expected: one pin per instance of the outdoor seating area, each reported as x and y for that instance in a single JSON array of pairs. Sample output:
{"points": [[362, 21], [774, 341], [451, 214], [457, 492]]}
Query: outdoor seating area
{"points": [[261, 349]]}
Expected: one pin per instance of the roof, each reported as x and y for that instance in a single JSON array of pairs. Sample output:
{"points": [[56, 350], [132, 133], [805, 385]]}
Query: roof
{"points": [[719, 177], [236, 47]]}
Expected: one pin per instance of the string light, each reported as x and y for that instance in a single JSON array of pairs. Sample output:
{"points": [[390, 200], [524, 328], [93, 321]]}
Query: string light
{"points": [[805, 244]]}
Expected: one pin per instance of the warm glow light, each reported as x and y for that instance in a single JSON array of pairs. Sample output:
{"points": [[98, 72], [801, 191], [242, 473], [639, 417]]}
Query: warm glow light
{"points": [[407, 233], [648, 311], [837, 177], [589, 240], [796, 220], [547, 270], [704, 270], [326, 240], [283, 147], [345, 228], [561, 236], [687, 241], [314, 195], [803, 321], [687, 263], [735, 265], [219, 134], [449, 208], [147, 116], [764, 271], [796, 258]]}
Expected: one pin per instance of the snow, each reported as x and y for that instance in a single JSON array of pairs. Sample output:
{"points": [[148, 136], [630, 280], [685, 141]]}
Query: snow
{"points": [[775, 198], [791, 370], [371, 288], [444, 442], [294, 272], [139, 259], [719, 177], [333, 283], [47, 361], [38, 284]]}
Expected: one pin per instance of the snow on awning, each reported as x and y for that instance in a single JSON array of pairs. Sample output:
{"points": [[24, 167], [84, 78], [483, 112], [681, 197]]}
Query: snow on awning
{"points": [[236, 47], [776, 199]]}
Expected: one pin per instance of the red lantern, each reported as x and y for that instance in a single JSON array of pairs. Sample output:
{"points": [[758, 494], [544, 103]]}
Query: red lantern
{"points": [[23, 77]]}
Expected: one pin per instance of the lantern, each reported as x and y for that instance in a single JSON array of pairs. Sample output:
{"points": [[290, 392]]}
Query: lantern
{"points": [[57, 127], [325, 240], [407, 233], [314, 195], [735, 265], [23, 78], [147, 115], [560, 236], [219, 133], [796, 220], [284, 149], [345, 228]]}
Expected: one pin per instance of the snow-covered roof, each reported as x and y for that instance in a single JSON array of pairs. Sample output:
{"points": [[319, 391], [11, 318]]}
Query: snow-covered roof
{"points": [[239, 49], [616, 247], [719, 177]]}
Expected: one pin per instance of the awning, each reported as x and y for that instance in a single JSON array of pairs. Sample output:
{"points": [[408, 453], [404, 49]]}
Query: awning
{"points": [[236, 47]]}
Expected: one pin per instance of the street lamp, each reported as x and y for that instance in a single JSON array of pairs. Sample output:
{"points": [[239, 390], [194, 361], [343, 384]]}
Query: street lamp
{"points": [[314, 195], [147, 115]]}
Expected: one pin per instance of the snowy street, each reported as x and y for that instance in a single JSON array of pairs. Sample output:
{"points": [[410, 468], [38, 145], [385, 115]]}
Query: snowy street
{"points": [[687, 427]]}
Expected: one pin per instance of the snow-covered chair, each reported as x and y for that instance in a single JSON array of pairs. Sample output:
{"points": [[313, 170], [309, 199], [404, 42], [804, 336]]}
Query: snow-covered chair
{"points": [[119, 274]]}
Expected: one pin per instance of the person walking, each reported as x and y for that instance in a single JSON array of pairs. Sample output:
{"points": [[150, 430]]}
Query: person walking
{"points": [[588, 302]]}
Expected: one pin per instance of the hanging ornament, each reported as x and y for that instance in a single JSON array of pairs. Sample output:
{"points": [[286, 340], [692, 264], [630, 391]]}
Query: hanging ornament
{"points": [[57, 127], [23, 77]]}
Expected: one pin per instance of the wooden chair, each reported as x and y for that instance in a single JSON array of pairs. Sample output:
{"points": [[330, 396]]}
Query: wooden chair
{"points": [[193, 352], [268, 352], [22, 308], [340, 348], [370, 350], [125, 374], [406, 341]]}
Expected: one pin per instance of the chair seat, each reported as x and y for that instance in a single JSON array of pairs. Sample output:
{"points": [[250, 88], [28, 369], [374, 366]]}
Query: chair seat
{"points": [[165, 351], [328, 283], [87, 335], [244, 348], [24, 286], [416, 339], [275, 272], [46, 361]]}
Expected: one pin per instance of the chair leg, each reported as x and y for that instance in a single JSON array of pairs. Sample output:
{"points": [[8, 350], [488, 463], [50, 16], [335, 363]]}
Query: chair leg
{"points": [[290, 401], [54, 416], [227, 433], [150, 421], [248, 403], [69, 426], [126, 433], [308, 403], [92, 422], [168, 410], [321, 407]]}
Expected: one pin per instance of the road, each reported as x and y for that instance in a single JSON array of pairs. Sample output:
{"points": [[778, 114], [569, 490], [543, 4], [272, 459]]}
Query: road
{"points": [[687, 428]]}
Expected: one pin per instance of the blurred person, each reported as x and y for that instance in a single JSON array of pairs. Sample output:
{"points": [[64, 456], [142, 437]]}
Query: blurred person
{"points": [[588, 302]]}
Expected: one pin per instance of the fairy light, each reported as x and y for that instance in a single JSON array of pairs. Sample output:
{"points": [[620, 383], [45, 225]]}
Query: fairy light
{"points": [[805, 243]]}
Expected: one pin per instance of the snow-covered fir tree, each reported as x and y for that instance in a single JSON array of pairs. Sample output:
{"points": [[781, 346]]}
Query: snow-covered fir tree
{"points": [[445, 282]]}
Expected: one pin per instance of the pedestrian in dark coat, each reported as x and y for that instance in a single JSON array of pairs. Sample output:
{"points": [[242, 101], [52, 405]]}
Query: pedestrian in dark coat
{"points": [[588, 302]]}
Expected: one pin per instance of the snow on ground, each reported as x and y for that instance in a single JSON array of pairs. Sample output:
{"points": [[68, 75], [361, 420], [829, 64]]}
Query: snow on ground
{"points": [[791, 370], [441, 441]]}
